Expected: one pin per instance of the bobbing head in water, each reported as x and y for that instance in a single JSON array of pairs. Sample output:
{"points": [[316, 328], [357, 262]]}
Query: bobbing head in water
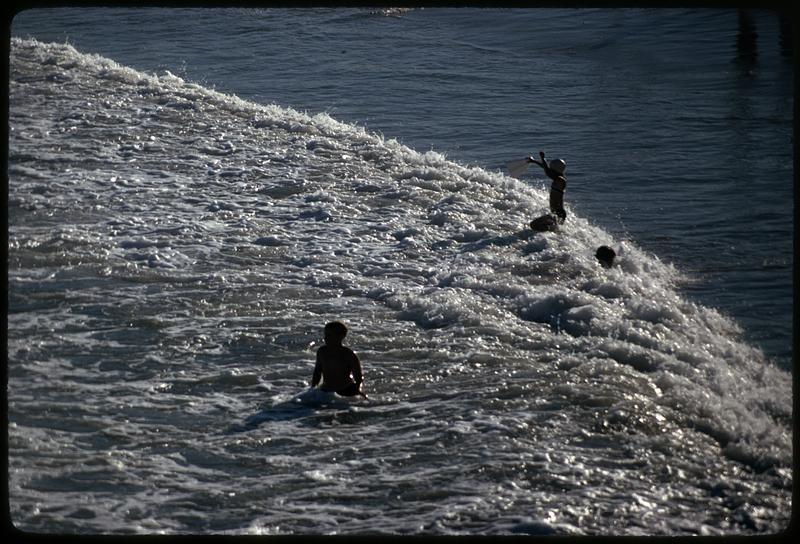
{"points": [[605, 255]]}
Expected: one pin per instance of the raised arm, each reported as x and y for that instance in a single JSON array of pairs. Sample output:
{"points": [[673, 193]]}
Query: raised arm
{"points": [[542, 163]]}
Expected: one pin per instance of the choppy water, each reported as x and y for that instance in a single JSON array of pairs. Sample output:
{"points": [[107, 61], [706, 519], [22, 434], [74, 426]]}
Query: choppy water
{"points": [[677, 124], [174, 252]]}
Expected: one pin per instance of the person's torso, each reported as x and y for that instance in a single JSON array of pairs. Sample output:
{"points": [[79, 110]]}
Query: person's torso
{"points": [[337, 366], [557, 189]]}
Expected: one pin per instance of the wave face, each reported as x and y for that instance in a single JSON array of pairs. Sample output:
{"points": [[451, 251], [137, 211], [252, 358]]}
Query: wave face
{"points": [[174, 253]]}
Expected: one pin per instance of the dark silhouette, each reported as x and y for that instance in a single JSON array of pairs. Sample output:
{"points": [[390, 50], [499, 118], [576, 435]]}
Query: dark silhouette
{"points": [[786, 38], [545, 223], [746, 43], [555, 171], [747, 38], [337, 365], [606, 256]]}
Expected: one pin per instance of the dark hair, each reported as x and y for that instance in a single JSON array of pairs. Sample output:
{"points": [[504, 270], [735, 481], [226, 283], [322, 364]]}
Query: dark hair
{"points": [[605, 255], [336, 327]]}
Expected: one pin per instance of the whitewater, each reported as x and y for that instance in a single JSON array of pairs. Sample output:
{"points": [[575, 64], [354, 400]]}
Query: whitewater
{"points": [[174, 252]]}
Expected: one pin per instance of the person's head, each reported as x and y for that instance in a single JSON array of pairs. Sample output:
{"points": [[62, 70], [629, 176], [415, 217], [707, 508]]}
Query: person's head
{"points": [[559, 166], [605, 255], [335, 331]]}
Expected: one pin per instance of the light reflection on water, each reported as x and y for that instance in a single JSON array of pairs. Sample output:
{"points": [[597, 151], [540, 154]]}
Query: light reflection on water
{"points": [[534, 392]]}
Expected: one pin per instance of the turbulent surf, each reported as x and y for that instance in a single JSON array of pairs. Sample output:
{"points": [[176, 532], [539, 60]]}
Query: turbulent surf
{"points": [[175, 251]]}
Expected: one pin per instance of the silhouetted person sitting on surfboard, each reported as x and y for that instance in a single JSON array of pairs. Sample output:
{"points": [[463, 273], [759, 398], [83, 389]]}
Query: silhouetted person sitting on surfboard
{"points": [[337, 365]]}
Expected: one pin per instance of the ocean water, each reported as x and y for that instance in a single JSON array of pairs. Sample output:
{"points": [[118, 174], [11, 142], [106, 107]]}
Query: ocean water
{"points": [[193, 194]]}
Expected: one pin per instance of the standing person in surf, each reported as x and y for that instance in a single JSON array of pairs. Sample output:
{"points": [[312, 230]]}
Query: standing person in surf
{"points": [[555, 171]]}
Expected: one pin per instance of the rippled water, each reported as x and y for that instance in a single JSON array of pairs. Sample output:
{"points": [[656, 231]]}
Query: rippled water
{"points": [[174, 252], [677, 124]]}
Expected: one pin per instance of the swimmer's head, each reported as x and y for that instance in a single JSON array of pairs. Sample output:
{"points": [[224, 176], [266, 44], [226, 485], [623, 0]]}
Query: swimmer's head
{"points": [[335, 330], [558, 165], [605, 255]]}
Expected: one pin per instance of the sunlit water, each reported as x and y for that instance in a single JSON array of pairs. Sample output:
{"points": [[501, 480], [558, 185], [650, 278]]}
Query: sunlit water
{"points": [[174, 252]]}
